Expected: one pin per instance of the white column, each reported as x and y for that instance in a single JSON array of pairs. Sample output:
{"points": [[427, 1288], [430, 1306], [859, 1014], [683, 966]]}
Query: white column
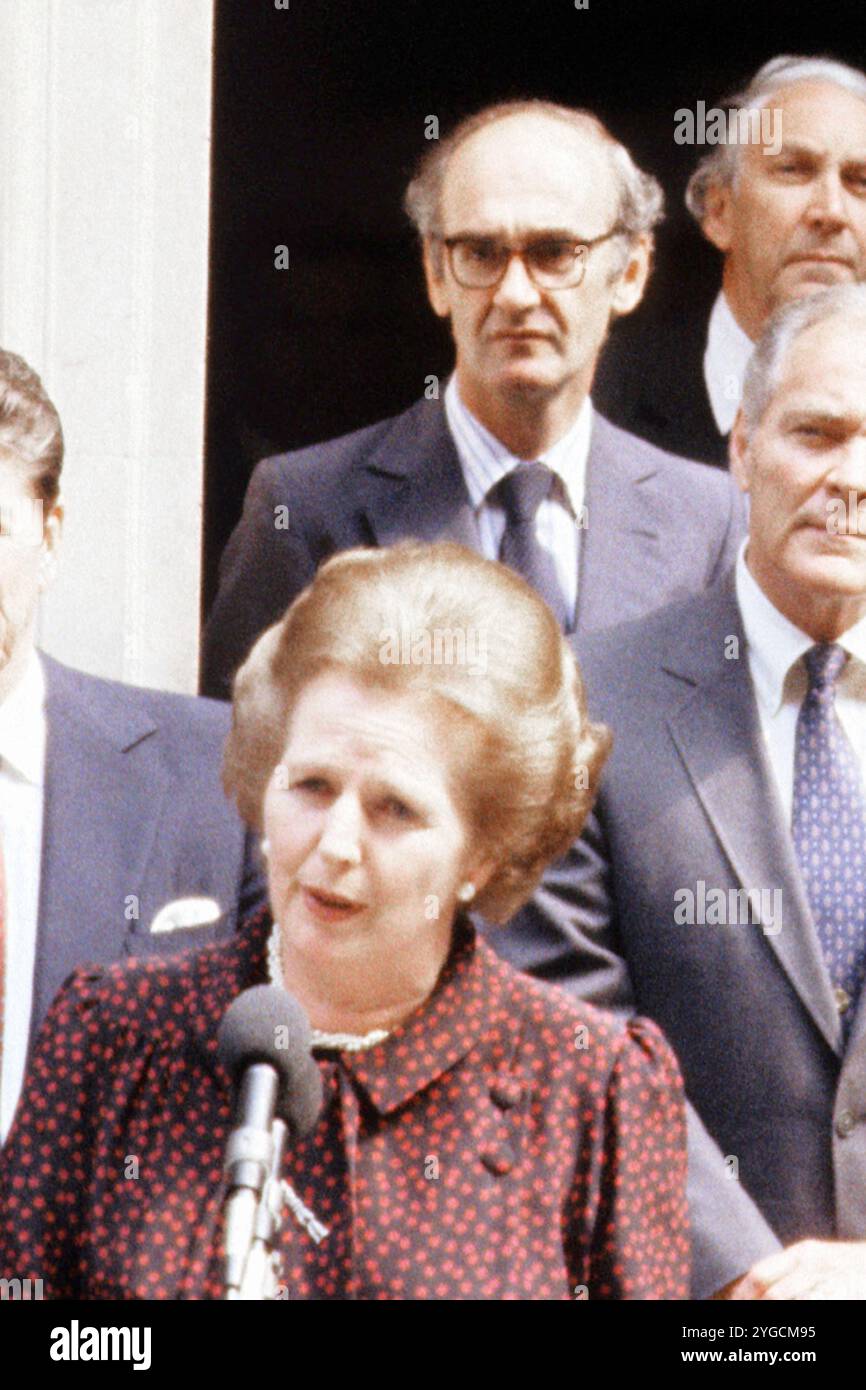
{"points": [[104, 186]]}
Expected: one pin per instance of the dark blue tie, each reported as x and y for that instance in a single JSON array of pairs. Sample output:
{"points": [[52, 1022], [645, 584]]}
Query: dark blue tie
{"points": [[521, 493], [829, 828]]}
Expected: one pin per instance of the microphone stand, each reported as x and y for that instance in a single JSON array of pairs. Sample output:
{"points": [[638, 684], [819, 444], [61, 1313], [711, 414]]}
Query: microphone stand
{"points": [[262, 1266]]}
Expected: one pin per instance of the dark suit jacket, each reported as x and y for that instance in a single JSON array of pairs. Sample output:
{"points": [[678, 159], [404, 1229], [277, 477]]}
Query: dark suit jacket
{"points": [[651, 381], [134, 818], [688, 797], [658, 527]]}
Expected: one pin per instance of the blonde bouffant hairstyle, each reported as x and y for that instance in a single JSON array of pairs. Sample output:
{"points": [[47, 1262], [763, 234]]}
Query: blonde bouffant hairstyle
{"points": [[474, 639]]}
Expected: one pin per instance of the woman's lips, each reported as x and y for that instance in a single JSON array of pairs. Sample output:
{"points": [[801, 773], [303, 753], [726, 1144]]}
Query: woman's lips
{"points": [[328, 907]]}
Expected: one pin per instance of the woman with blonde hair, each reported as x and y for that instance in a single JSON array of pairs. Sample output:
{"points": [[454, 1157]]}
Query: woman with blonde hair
{"points": [[412, 740]]}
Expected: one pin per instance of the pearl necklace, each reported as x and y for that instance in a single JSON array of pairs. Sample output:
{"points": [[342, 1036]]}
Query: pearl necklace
{"points": [[338, 1042]]}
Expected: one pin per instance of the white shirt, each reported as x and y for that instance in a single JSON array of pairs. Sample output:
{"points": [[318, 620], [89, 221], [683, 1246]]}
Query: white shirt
{"points": [[22, 778], [775, 649], [725, 361], [485, 461]]}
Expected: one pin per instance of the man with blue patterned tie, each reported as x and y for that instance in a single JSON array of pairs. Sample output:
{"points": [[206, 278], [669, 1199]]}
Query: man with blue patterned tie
{"points": [[720, 887], [828, 825]]}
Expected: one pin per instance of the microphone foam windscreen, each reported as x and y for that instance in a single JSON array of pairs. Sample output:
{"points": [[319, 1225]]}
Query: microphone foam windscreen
{"points": [[266, 1024]]}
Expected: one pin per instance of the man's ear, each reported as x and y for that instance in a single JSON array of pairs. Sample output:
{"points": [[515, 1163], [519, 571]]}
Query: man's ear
{"points": [[739, 453], [434, 264], [630, 286], [717, 223], [52, 531]]}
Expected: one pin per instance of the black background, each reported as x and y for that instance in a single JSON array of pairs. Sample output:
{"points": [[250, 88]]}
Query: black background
{"points": [[319, 115]]}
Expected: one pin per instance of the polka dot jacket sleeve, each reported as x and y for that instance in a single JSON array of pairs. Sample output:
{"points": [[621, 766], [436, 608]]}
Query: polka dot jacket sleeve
{"points": [[43, 1164], [640, 1246]]}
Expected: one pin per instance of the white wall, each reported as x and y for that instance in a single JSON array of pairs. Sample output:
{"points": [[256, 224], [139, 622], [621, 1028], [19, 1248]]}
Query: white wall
{"points": [[104, 185]]}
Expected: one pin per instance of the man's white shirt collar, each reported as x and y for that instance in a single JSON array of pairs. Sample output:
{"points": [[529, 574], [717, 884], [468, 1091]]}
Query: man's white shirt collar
{"points": [[775, 643], [22, 725], [725, 360], [485, 460]]}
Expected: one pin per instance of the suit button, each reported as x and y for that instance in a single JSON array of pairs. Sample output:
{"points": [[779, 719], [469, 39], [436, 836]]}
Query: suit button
{"points": [[506, 1092], [498, 1158], [843, 999], [845, 1124]]}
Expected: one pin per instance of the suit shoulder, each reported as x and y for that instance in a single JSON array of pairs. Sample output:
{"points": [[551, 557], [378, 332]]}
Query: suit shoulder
{"points": [[332, 458], [703, 478], [115, 705], [619, 655], [188, 713]]}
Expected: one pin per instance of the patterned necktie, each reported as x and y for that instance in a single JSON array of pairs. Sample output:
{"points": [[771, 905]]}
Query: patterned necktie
{"points": [[521, 493], [829, 828]]}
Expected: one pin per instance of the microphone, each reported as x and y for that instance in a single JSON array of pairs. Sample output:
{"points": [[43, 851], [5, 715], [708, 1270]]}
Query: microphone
{"points": [[264, 1044]]}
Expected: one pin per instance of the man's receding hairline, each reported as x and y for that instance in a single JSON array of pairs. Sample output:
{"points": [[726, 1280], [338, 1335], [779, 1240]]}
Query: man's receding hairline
{"points": [[771, 83], [774, 373], [790, 87], [759, 104], [852, 319], [590, 123], [804, 142]]}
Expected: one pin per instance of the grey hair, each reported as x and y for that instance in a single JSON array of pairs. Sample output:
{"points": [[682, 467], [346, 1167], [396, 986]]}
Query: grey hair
{"points": [[782, 331], [641, 200], [720, 166]]}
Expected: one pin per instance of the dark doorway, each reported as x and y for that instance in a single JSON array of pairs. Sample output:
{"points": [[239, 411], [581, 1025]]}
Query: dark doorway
{"points": [[319, 115]]}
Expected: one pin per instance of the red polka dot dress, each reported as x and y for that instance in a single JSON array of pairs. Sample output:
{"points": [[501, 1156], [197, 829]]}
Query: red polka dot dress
{"points": [[502, 1143]]}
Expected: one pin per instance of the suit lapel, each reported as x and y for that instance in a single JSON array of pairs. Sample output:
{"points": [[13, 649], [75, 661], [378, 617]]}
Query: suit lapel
{"points": [[621, 552], [412, 485], [673, 405], [682, 415], [718, 736], [651, 379], [101, 813]]}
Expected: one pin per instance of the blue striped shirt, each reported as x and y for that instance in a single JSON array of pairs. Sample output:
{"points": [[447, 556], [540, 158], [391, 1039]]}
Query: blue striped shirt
{"points": [[485, 461]]}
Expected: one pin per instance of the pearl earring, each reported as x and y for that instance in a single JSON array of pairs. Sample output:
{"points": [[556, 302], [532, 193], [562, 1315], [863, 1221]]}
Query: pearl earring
{"points": [[466, 892], [265, 848]]}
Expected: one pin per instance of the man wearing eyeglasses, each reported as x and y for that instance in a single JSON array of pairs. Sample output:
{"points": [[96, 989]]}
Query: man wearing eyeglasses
{"points": [[536, 232]]}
